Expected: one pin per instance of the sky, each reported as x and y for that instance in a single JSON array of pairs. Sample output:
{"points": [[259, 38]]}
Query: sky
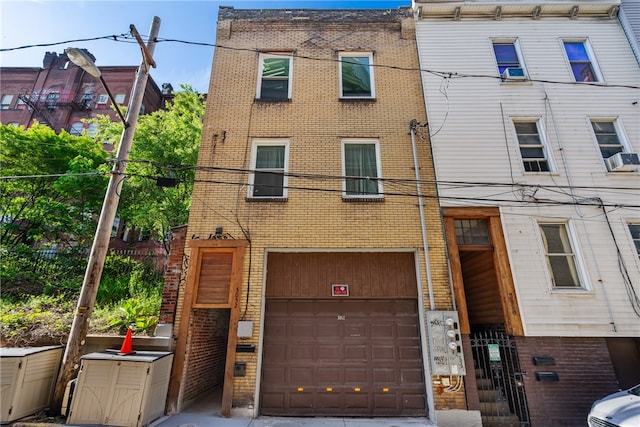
{"points": [[63, 22]]}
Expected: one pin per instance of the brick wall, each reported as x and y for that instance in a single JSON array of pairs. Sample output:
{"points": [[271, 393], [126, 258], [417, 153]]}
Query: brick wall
{"points": [[315, 120], [585, 371], [207, 351], [175, 265]]}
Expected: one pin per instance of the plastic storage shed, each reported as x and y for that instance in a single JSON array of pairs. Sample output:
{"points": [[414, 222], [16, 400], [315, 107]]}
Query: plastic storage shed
{"points": [[27, 378], [121, 390]]}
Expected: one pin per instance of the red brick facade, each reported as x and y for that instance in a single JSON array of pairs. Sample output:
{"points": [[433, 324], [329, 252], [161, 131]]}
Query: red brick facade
{"points": [[585, 374], [61, 94]]}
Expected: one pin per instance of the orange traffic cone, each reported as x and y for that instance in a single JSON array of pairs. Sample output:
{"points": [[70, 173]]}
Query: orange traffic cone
{"points": [[126, 344]]}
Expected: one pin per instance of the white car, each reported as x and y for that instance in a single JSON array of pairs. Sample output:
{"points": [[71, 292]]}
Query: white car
{"points": [[620, 409]]}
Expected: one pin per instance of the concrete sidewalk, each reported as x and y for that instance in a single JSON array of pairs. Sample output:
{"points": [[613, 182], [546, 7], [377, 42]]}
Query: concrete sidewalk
{"points": [[200, 420]]}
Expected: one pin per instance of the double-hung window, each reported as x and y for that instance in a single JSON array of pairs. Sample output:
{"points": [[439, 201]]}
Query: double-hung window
{"points": [[274, 81], [361, 168], [269, 159], [607, 136], [76, 128], [119, 98], [581, 60], [356, 75], [5, 102], [561, 257], [508, 57], [532, 147]]}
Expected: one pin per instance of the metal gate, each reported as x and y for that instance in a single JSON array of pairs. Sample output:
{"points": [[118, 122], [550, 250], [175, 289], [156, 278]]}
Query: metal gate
{"points": [[499, 380]]}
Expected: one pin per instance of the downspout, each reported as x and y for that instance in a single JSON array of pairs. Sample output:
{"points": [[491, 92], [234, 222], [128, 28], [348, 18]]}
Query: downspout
{"points": [[425, 246], [431, 404]]}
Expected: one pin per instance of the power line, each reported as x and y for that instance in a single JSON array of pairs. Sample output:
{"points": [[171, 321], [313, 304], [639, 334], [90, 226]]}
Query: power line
{"points": [[125, 38]]}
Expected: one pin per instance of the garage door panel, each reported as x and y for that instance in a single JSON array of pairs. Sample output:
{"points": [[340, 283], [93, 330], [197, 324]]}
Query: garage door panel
{"points": [[340, 356], [329, 352], [358, 376], [356, 353], [379, 353]]}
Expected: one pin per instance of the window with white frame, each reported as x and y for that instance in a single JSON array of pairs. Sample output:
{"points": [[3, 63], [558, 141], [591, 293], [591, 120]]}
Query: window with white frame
{"points": [[532, 146], [507, 55], [269, 159], [5, 102], [356, 75], [76, 128], [560, 255], [361, 168], [582, 61], [102, 101], [119, 98], [92, 130], [274, 81], [608, 138], [21, 104], [634, 229]]}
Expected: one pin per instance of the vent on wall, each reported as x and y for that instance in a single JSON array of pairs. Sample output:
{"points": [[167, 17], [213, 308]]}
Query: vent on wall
{"points": [[623, 162]]}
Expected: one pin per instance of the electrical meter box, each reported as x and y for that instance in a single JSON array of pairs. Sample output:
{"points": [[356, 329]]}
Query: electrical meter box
{"points": [[121, 390], [27, 378], [445, 343]]}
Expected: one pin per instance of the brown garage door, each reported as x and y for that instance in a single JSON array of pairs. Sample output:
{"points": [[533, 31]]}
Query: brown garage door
{"points": [[342, 358]]}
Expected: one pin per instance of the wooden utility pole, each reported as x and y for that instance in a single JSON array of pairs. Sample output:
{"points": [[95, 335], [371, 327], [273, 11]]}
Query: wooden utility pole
{"points": [[89, 290]]}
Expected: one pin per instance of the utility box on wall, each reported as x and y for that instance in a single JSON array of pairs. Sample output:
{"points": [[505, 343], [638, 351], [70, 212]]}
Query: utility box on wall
{"points": [[27, 379], [121, 390], [445, 343]]}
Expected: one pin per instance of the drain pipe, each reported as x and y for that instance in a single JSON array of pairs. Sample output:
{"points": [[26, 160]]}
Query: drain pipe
{"points": [[431, 404], [413, 124]]}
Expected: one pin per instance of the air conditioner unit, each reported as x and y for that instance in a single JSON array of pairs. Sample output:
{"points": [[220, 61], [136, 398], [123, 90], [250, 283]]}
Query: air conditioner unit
{"points": [[623, 162], [513, 74]]}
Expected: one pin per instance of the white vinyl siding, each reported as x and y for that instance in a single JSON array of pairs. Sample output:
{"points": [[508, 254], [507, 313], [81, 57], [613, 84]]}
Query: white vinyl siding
{"points": [[473, 140]]}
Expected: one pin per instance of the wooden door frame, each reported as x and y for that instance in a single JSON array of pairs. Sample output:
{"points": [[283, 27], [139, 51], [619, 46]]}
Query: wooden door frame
{"points": [[198, 247], [506, 286]]}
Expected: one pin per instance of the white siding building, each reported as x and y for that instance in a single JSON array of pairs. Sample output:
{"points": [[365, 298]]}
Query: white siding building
{"points": [[534, 118]]}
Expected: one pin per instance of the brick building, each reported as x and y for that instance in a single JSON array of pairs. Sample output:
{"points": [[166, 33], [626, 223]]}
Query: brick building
{"points": [[315, 261], [61, 94]]}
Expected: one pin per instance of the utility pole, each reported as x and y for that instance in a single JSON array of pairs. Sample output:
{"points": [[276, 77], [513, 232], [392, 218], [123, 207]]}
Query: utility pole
{"points": [[89, 290]]}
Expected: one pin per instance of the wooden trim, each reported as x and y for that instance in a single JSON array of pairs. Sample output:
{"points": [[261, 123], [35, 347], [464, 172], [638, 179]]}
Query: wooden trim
{"points": [[456, 276], [510, 308], [188, 305], [475, 212], [235, 290], [181, 345]]}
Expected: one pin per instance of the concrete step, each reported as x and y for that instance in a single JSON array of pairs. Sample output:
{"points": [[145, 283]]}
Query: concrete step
{"points": [[495, 408], [488, 395], [500, 421]]}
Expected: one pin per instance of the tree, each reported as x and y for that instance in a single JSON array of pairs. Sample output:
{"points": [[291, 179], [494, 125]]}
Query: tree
{"points": [[43, 197], [164, 152]]}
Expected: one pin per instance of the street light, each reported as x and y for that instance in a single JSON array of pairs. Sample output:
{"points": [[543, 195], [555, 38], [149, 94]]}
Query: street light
{"points": [[82, 60], [100, 246]]}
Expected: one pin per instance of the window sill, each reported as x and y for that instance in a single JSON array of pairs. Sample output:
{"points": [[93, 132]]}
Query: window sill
{"points": [[271, 101], [362, 199], [267, 199], [354, 99], [571, 291]]}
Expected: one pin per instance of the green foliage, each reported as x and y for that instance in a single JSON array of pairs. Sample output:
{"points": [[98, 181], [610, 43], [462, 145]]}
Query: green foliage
{"points": [[137, 314], [43, 206], [41, 319], [166, 144]]}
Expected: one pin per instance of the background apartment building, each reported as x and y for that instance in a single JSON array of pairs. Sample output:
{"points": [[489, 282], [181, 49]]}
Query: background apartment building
{"points": [[61, 94], [316, 260], [533, 116]]}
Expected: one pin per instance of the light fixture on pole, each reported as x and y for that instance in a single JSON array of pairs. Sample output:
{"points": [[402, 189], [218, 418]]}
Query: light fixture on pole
{"points": [[100, 246], [82, 60]]}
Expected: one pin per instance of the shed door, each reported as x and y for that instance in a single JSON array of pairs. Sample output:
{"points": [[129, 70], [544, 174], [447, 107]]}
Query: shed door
{"points": [[342, 358]]}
